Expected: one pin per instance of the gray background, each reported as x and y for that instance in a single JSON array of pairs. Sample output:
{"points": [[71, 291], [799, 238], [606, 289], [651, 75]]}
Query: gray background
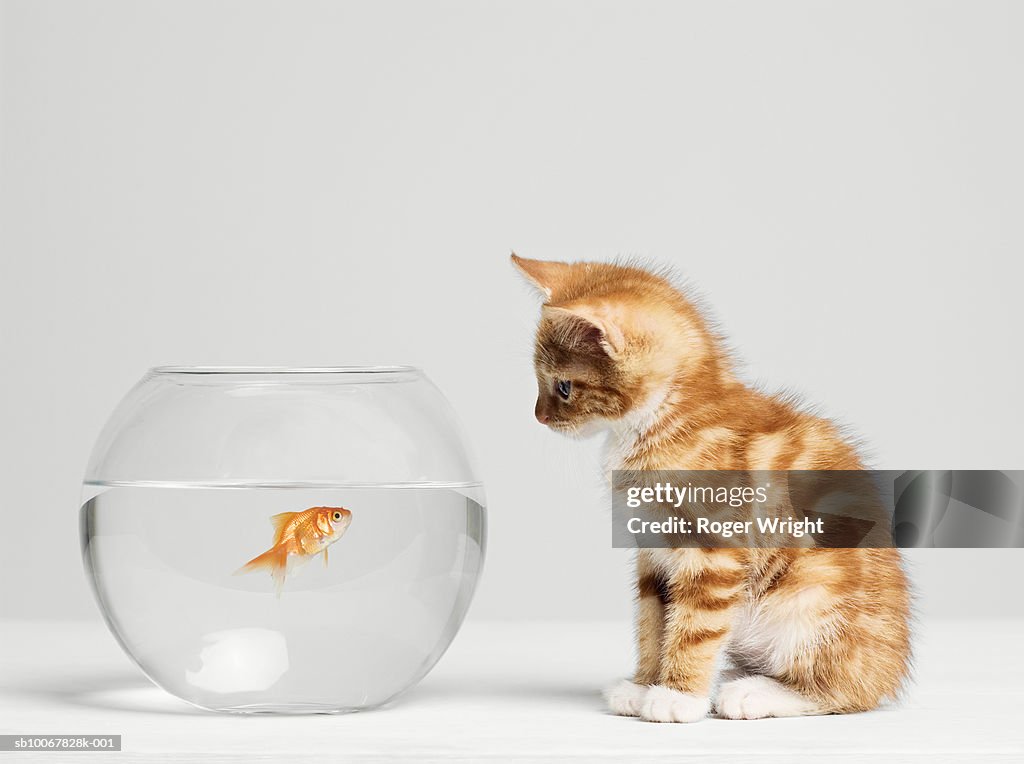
{"points": [[336, 183]]}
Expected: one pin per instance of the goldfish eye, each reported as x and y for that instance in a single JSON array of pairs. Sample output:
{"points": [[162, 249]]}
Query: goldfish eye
{"points": [[337, 517]]}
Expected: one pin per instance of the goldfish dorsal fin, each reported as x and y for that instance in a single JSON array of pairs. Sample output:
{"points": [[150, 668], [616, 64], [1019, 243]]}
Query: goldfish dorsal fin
{"points": [[280, 520]]}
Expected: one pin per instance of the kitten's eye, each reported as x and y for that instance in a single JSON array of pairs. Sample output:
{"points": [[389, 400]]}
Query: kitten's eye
{"points": [[564, 388]]}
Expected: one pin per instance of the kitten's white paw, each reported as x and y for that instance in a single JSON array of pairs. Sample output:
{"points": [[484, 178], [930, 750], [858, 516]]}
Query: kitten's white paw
{"points": [[663, 704], [624, 698], [757, 697]]}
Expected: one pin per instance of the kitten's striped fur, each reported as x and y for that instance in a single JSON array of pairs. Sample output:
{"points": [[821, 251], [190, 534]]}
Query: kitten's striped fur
{"points": [[809, 631]]}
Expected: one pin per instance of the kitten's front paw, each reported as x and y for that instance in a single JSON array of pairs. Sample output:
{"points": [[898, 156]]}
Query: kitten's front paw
{"points": [[663, 704], [624, 698]]}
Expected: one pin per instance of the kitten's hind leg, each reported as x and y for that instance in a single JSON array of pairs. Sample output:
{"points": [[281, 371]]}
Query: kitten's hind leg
{"points": [[757, 697]]}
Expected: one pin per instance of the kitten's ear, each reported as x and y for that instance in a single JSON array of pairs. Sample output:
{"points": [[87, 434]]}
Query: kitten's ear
{"points": [[590, 326], [546, 275]]}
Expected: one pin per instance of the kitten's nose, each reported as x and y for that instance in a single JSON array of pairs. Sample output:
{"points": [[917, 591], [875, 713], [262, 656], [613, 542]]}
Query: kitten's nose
{"points": [[540, 413]]}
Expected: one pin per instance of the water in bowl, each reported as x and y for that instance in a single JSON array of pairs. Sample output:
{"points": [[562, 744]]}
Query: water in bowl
{"points": [[348, 635]]}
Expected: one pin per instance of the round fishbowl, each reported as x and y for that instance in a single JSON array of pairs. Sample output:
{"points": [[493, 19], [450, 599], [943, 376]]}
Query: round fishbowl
{"points": [[283, 540]]}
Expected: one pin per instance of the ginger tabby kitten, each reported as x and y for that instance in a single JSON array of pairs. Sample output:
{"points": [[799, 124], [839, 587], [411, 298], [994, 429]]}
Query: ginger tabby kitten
{"points": [[809, 631]]}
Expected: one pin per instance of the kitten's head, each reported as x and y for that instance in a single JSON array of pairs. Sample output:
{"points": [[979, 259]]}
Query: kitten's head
{"points": [[614, 342]]}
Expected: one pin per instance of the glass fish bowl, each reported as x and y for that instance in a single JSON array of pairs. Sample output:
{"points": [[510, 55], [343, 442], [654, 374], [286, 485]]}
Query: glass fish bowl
{"points": [[283, 540]]}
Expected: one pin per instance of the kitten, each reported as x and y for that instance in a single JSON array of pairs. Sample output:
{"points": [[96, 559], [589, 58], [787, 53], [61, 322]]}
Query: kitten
{"points": [[812, 631]]}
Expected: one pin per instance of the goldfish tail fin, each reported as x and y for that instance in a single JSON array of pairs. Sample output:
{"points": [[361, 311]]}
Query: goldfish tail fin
{"points": [[274, 560]]}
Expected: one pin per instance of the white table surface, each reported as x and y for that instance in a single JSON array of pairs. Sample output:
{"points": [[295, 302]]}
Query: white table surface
{"points": [[526, 691]]}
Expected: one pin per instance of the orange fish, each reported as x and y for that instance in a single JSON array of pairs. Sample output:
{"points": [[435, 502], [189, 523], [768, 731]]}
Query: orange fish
{"points": [[301, 535]]}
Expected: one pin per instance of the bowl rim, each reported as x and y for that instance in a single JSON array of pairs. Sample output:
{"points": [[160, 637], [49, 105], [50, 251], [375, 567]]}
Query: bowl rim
{"points": [[269, 370]]}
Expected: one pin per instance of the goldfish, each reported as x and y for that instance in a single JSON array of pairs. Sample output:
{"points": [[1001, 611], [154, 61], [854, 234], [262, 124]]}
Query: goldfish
{"points": [[302, 536]]}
